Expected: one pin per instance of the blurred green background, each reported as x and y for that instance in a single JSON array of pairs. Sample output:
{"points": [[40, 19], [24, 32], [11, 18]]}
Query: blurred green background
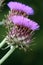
{"points": [[19, 57]]}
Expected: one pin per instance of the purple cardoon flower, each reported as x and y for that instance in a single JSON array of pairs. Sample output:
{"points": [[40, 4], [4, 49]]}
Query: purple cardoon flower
{"points": [[20, 30], [22, 7], [22, 21]]}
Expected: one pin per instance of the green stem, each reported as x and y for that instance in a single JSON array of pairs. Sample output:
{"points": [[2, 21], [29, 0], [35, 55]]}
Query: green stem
{"points": [[3, 42], [12, 48], [7, 55]]}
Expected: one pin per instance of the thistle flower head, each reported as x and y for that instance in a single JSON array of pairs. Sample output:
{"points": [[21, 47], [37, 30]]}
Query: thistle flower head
{"points": [[20, 33], [20, 28], [21, 7]]}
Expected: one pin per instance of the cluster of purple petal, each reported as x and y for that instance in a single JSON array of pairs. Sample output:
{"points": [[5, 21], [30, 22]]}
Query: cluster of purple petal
{"points": [[19, 6], [22, 21]]}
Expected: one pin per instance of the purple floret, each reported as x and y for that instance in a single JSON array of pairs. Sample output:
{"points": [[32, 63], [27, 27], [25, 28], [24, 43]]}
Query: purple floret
{"points": [[22, 21], [19, 6]]}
